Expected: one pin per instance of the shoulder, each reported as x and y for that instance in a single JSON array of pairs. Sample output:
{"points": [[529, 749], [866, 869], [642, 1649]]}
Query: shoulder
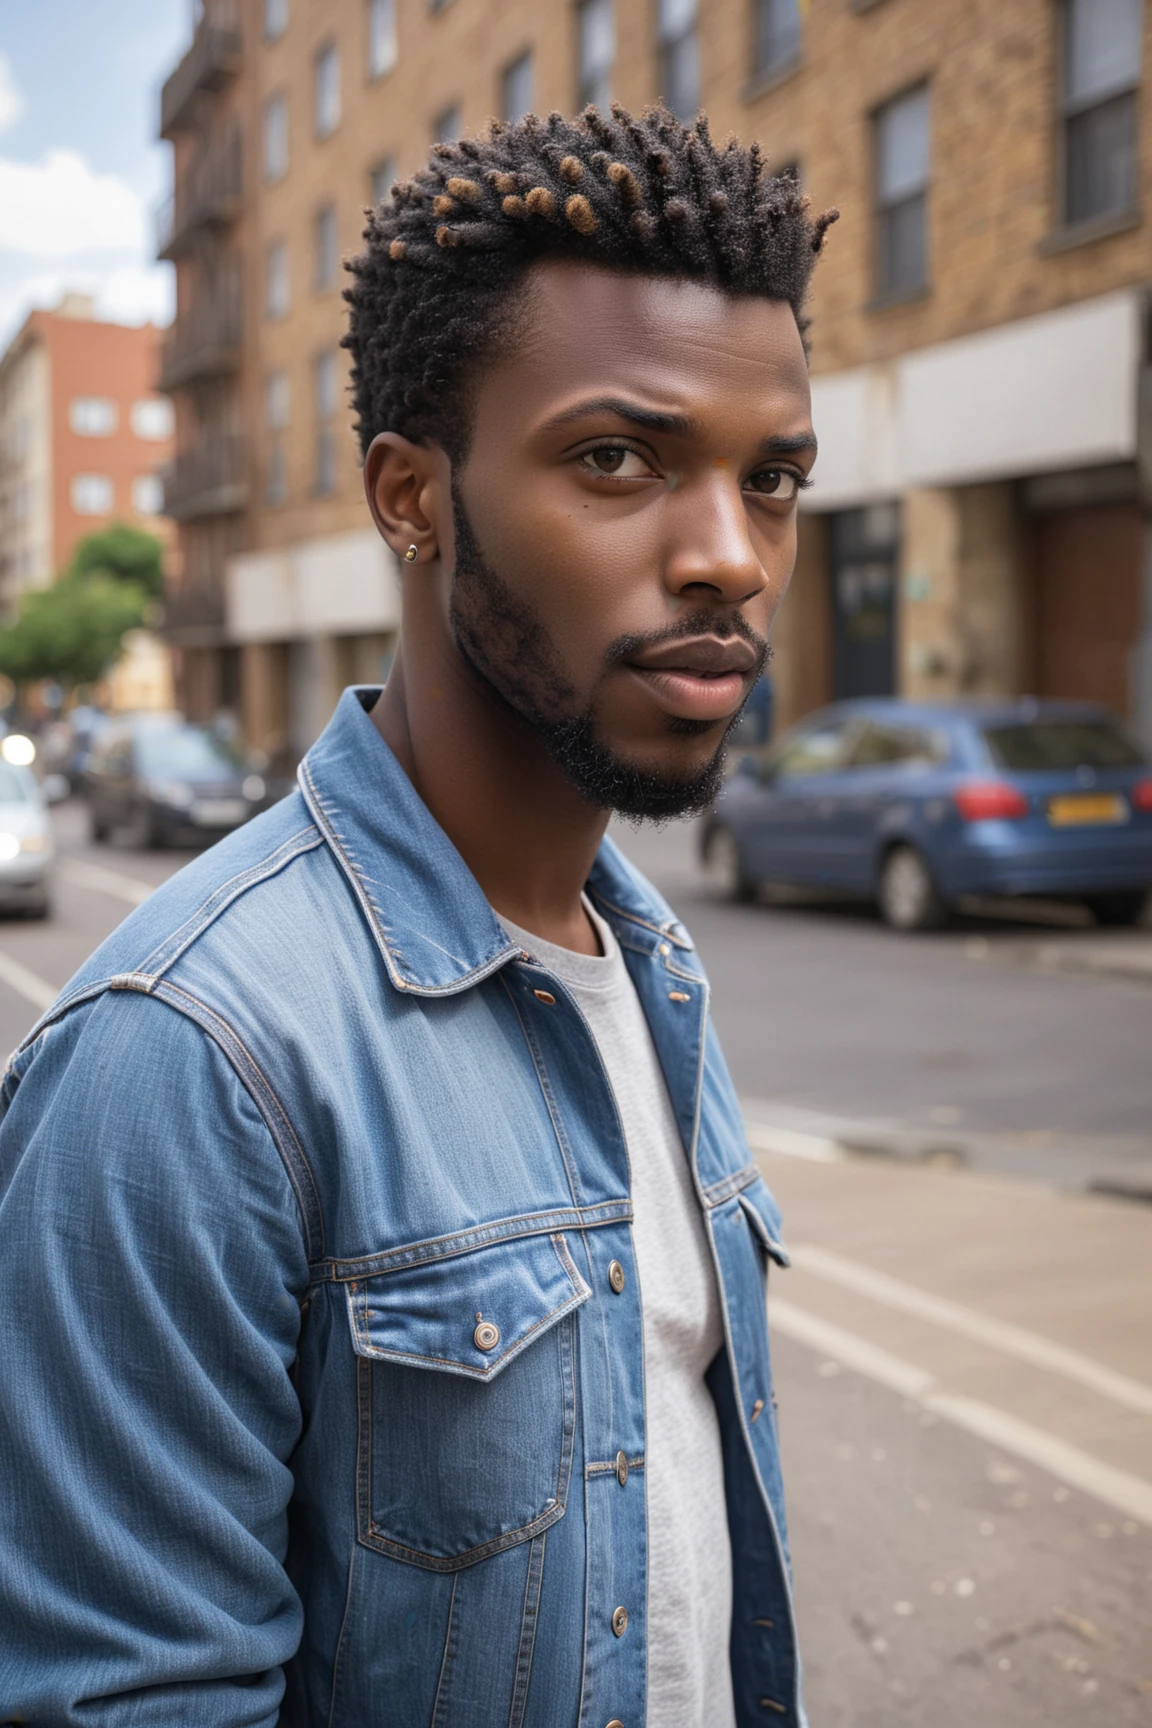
{"points": [[252, 877]]}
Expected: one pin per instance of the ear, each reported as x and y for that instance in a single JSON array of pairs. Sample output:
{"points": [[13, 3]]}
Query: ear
{"points": [[405, 489]]}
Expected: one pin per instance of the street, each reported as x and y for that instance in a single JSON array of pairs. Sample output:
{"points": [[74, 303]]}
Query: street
{"points": [[963, 1354]]}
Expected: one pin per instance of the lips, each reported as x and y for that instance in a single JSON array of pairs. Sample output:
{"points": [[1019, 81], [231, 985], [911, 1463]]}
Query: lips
{"points": [[698, 678]]}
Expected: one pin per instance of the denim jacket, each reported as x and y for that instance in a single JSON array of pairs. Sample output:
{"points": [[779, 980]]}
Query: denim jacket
{"points": [[317, 1403]]}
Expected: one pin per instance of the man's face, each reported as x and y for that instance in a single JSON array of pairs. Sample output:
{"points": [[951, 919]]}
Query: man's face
{"points": [[625, 523]]}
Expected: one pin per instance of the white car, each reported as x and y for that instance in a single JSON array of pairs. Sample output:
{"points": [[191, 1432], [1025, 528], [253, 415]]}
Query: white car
{"points": [[27, 847]]}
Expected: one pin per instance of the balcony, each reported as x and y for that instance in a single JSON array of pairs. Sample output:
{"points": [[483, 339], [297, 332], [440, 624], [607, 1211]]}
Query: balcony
{"points": [[194, 616], [211, 61], [208, 196], [205, 340], [209, 480]]}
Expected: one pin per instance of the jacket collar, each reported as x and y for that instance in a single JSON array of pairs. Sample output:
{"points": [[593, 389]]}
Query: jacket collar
{"points": [[425, 909]]}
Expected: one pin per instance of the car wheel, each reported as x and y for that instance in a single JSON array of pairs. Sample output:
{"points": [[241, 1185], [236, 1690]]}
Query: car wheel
{"points": [[39, 909], [724, 867], [97, 830], [907, 894], [1119, 908]]}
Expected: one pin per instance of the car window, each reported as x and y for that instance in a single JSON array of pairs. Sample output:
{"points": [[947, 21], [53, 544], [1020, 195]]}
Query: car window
{"points": [[820, 751], [884, 746], [14, 786], [176, 751], [1040, 744]]}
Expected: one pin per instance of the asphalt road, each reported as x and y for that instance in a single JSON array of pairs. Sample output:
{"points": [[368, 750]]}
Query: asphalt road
{"points": [[964, 1359]]}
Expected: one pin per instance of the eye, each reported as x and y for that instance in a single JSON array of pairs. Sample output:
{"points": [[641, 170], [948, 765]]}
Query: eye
{"points": [[616, 462], [781, 484]]}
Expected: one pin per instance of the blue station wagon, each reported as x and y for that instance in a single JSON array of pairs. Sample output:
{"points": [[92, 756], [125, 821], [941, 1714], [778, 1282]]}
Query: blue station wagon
{"points": [[917, 805]]}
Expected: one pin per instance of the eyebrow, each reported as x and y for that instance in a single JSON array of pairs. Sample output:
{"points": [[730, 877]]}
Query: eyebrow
{"points": [[673, 425]]}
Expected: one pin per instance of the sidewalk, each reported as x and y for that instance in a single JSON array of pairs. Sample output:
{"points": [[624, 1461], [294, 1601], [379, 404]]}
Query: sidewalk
{"points": [[1015, 1312], [1109, 1164], [1115, 953]]}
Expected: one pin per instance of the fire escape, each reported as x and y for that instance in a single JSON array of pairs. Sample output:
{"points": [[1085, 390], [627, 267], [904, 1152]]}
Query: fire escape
{"points": [[205, 488]]}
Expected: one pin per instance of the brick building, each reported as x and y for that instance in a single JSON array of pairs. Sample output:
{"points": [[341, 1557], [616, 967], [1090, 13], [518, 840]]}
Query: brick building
{"points": [[82, 434], [981, 337]]}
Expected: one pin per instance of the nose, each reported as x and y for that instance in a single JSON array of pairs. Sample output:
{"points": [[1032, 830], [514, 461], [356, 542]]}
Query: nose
{"points": [[710, 555]]}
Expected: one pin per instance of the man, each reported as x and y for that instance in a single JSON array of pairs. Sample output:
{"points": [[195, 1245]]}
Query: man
{"points": [[383, 1313]]}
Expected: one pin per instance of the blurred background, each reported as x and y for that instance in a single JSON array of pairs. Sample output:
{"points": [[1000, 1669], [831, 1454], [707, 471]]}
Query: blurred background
{"points": [[922, 897]]}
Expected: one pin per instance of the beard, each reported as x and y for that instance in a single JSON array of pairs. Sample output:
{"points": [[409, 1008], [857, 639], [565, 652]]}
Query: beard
{"points": [[508, 647]]}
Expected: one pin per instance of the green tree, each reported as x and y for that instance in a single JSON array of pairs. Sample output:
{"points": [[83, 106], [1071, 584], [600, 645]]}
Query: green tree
{"points": [[125, 553], [73, 631]]}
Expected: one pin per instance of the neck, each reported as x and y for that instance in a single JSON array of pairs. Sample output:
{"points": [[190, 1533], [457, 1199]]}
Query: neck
{"points": [[526, 835]]}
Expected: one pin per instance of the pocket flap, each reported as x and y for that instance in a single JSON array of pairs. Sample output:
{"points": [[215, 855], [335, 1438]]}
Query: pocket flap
{"points": [[763, 1214], [470, 1314]]}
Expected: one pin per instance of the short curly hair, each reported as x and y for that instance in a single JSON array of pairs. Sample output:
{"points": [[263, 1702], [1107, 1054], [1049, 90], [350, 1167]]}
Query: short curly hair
{"points": [[443, 259]]}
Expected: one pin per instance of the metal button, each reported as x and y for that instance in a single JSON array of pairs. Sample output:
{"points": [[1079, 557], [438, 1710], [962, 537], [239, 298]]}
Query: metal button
{"points": [[615, 1723], [545, 996], [756, 1409], [678, 996], [620, 1622], [486, 1335], [621, 1468], [616, 1276], [771, 1704]]}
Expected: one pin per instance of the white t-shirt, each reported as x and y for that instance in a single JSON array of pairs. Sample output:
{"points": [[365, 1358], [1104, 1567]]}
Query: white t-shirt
{"points": [[689, 1552]]}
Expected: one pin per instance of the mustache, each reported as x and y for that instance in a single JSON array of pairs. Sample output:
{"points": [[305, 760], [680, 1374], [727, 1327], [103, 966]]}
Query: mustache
{"points": [[699, 623]]}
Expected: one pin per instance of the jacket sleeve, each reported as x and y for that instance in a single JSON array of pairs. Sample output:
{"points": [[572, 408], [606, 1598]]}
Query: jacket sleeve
{"points": [[150, 1285]]}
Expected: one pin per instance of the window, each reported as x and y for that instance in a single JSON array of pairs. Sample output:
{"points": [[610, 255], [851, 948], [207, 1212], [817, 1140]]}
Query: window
{"points": [[275, 19], [325, 383], [276, 401], [679, 57], [381, 37], [886, 746], [820, 751], [148, 495], [92, 494], [901, 155], [327, 91], [275, 138], [151, 418], [595, 52], [326, 251], [276, 420], [277, 290], [447, 125], [92, 416], [1044, 744], [276, 480], [382, 176], [1101, 79], [777, 35], [517, 88]]}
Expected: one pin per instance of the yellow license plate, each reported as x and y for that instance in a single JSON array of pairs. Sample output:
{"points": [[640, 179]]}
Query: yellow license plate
{"points": [[1087, 807]]}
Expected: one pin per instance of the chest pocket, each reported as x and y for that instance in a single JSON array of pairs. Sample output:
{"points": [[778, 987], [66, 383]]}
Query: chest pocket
{"points": [[466, 1401]]}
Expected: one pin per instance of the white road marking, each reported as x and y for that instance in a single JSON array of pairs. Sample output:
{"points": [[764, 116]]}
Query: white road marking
{"points": [[33, 988], [113, 882], [1001, 1335], [1129, 1494], [793, 1143]]}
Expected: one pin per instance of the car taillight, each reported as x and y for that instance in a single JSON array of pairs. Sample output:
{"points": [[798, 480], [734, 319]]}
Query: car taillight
{"points": [[1141, 795], [989, 801]]}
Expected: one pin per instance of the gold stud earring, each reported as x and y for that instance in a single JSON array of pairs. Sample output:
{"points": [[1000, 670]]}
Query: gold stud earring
{"points": [[411, 555]]}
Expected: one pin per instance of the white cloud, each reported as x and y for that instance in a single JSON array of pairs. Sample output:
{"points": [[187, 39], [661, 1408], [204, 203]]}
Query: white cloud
{"points": [[124, 293], [59, 207], [11, 101]]}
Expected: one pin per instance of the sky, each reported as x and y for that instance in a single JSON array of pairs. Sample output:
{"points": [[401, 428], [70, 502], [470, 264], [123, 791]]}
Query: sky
{"points": [[81, 170]]}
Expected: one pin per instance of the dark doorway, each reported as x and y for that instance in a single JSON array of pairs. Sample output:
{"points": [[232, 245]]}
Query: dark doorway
{"points": [[865, 548]]}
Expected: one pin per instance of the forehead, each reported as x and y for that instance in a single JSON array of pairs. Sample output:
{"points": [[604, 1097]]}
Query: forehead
{"points": [[586, 330]]}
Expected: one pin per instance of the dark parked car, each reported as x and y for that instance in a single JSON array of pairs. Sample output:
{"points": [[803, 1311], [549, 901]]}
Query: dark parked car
{"points": [[917, 805], [161, 780]]}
